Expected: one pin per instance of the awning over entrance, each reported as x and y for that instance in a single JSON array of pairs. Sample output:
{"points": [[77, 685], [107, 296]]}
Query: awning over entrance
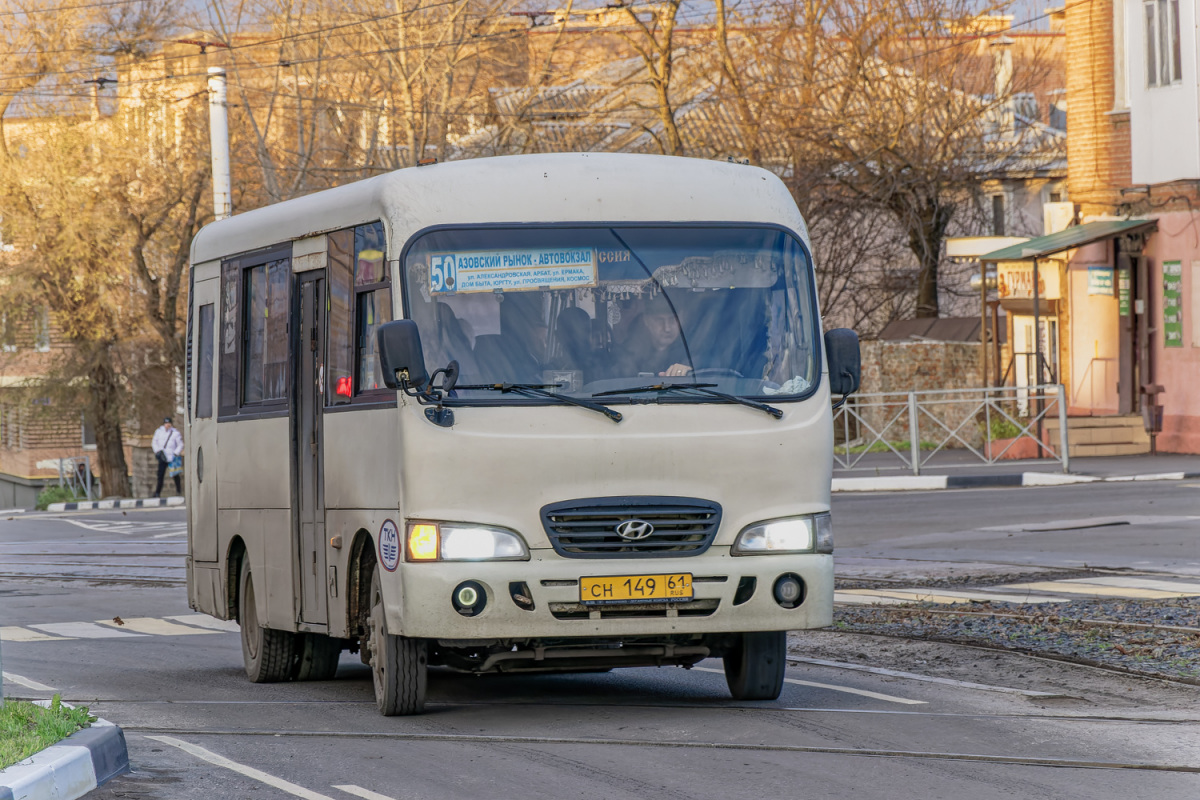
{"points": [[1075, 236]]}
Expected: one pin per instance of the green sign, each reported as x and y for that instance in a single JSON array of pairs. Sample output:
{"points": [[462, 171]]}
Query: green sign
{"points": [[1172, 304], [1123, 293], [1100, 280]]}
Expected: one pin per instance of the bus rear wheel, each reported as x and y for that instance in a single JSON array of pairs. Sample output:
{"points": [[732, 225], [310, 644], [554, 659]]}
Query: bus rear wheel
{"points": [[269, 655], [399, 665], [754, 666]]}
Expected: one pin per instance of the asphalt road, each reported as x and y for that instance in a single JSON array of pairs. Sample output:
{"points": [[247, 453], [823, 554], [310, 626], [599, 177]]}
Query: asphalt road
{"points": [[1151, 526], [197, 729]]}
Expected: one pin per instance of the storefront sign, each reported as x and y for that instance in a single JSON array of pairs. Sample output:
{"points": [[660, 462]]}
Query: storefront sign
{"points": [[1015, 280], [1100, 280], [1123, 293], [1172, 304]]}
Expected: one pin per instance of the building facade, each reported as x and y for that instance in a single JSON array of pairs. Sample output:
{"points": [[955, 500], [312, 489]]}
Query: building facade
{"points": [[1119, 288]]}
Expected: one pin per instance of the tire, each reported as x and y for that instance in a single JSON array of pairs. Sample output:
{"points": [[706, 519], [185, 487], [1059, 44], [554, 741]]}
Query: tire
{"points": [[399, 665], [318, 656], [269, 655], [754, 666]]}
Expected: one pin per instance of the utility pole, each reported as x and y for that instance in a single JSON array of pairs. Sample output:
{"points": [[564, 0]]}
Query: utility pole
{"points": [[218, 123]]}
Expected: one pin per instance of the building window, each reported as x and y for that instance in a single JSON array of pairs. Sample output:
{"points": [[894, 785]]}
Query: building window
{"points": [[360, 300], [41, 329], [998, 215], [88, 434], [1164, 63], [8, 333]]}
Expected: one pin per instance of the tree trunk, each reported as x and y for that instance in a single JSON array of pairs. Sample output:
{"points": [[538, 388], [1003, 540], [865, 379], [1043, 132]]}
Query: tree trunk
{"points": [[926, 223], [104, 407]]}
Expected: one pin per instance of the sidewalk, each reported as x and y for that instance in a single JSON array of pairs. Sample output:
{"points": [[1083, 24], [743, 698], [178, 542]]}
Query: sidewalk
{"points": [[959, 469]]}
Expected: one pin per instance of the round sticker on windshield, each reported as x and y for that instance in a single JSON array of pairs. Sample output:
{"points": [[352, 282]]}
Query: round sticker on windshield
{"points": [[389, 546]]}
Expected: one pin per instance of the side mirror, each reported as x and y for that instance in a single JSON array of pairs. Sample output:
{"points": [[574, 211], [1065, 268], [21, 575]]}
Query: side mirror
{"points": [[845, 361], [400, 354]]}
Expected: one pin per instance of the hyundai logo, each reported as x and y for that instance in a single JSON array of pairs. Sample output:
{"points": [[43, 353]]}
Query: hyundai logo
{"points": [[634, 530]]}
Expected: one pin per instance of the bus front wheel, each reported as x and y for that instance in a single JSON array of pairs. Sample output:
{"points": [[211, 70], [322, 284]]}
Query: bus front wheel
{"points": [[268, 654], [754, 666], [399, 665]]}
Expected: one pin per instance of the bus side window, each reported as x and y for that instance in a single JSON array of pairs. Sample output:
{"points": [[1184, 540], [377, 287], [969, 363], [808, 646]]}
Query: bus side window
{"points": [[265, 357], [204, 362], [360, 300], [373, 302], [339, 386], [231, 292]]}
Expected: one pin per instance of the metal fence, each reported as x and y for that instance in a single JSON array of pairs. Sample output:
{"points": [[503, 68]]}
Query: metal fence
{"points": [[76, 474], [991, 425]]}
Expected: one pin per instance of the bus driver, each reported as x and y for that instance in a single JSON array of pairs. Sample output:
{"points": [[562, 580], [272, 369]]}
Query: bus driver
{"points": [[655, 345]]}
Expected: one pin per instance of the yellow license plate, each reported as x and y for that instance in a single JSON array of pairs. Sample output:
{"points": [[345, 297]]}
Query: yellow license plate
{"points": [[635, 588]]}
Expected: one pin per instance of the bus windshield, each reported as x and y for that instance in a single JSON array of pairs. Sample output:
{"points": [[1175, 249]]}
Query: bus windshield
{"points": [[595, 311]]}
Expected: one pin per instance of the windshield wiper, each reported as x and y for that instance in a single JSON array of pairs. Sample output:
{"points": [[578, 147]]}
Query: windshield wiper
{"points": [[539, 390], [702, 388]]}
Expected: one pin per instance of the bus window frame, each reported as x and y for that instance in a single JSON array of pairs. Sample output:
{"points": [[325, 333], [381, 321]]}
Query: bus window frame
{"points": [[360, 398], [240, 263]]}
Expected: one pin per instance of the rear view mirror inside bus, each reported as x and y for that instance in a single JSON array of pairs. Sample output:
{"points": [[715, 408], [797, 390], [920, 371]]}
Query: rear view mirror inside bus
{"points": [[400, 354]]}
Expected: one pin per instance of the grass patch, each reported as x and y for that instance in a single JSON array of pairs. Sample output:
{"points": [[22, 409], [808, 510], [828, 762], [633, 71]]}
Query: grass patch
{"points": [[56, 494], [882, 447], [26, 728]]}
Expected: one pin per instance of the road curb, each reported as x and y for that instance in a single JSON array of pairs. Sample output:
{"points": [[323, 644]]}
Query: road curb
{"points": [[911, 483], [70, 769], [107, 505]]}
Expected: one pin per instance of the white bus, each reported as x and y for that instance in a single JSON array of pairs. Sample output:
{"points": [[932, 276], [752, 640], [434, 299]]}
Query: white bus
{"points": [[533, 413]]}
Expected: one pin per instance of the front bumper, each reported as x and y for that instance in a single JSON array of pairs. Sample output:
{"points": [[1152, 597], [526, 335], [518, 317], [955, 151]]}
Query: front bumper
{"points": [[418, 597]]}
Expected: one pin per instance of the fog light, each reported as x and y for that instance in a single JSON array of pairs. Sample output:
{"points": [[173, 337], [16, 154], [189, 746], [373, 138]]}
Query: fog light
{"points": [[469, 598], [789, 590]]}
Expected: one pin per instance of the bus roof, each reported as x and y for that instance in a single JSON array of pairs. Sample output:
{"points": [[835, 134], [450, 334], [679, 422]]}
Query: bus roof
{"points": [[546, 188]]}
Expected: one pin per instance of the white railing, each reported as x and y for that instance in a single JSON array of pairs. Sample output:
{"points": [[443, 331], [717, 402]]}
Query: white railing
{"points": [[916, 426]]}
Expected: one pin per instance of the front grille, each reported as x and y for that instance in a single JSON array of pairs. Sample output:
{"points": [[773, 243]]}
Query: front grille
{"points": [[683, 526]]}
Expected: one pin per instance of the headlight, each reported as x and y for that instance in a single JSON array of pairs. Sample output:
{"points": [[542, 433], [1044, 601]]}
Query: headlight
{"points": [[808, 534], [450, 541]]}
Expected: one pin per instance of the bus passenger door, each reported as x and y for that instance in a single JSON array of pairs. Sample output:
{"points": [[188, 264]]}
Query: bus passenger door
{"points": [[309, 503]]}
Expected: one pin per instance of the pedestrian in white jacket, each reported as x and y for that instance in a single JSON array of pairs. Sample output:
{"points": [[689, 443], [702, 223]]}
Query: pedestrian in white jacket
{"points": [[167, 444]]}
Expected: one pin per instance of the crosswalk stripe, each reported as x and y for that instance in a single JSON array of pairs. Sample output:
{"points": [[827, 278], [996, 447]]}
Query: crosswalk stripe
{"points": [[1096, 590], [155, 627], [1140, 583], [83, 630], [855, 599], [205, 621], [950, 597], [15, 634]]}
